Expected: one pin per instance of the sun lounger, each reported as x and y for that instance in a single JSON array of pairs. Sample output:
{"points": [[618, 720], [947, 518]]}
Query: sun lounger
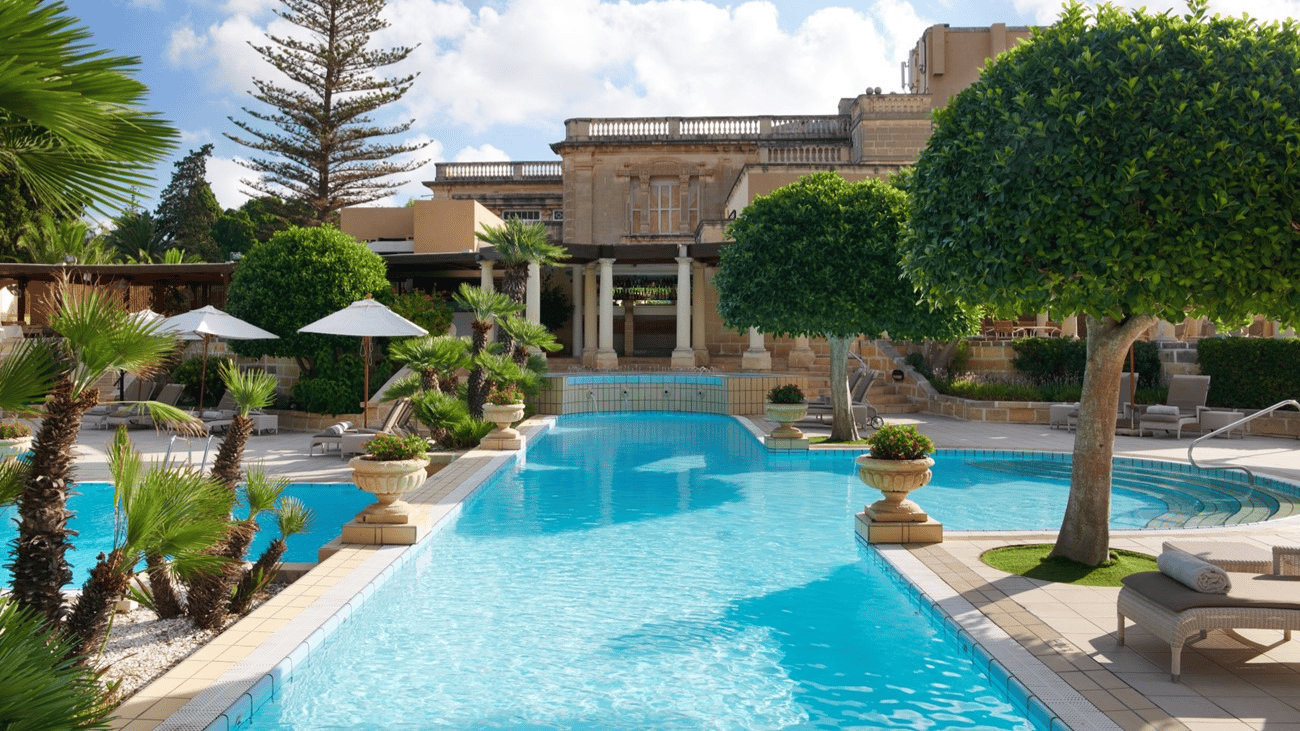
{"points": [[346, 439], [1182, 407], [134, 414], [863, 413]]}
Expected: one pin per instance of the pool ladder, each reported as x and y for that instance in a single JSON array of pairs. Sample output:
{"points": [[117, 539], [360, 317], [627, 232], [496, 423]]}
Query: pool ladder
{"points": [[189, 449], [1250, 476]]}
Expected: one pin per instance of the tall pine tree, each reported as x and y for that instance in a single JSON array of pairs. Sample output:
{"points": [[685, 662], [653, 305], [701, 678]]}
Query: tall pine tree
{"points": [[321, 154], [187, 210]]}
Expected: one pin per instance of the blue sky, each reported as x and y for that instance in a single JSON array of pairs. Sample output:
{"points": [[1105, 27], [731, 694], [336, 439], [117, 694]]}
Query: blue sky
{"points": [[498, 78]]}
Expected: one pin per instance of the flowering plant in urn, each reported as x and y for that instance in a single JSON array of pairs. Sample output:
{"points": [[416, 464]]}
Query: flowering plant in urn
{"points": [[896, 466], [392, 465], [785, 405]]}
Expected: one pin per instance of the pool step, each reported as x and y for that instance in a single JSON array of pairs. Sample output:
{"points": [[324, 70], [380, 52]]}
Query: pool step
{"points": [[1192, 500]]}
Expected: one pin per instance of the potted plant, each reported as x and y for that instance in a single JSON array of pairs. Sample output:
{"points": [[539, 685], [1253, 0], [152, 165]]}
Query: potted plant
{"points": [[15, 439], [897, 464], [504, 407], [786, 405], [392, 465]]}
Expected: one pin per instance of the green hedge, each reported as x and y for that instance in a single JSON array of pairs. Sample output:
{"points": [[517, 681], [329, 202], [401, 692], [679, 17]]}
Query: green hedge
{"points": [[1062, 360], [1250, 373]]}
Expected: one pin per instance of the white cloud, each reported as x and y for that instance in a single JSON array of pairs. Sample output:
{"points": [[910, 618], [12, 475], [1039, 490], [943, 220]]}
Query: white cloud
{"points": [[147, 4], [482, 153], [224, 176]]}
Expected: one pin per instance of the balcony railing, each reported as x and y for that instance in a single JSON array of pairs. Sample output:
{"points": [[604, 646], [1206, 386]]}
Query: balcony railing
{"points": [[708, 128], [498, 170]]}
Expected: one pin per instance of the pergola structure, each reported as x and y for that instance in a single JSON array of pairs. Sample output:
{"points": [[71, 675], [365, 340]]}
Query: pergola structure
{"points": [[206, 283]]}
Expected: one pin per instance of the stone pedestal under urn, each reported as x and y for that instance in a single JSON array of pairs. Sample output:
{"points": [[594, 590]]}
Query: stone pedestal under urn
{"points": [[895, 518]]}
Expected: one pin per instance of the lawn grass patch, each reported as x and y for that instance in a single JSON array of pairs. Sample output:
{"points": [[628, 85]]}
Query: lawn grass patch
{"points": [[1032, 562], [827, 440]]}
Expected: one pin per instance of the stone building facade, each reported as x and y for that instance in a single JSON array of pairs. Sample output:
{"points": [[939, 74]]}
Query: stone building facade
{"points": [[642, 205]]}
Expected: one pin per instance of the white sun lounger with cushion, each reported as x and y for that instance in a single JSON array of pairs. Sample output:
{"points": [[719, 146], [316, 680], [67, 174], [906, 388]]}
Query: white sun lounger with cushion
{"points": [[1174, 612], [1182, 407]]}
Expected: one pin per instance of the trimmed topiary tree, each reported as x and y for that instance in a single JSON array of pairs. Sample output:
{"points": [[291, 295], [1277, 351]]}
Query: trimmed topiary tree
{"points": [[1125, 167], [297, 277], [819, 257]]}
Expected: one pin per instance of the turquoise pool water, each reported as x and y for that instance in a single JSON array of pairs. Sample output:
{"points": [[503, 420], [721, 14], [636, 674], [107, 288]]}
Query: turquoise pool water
{"points": [[333, 504], [664, 572]]}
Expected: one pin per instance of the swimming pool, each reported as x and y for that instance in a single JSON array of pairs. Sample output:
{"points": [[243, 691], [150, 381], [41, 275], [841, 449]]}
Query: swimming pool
{"points": [[92, 504], [616, 579]]}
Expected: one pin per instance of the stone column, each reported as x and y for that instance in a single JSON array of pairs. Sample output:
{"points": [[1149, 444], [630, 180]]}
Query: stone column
{"points": [[698, 295], [606, 358], [486, 284], [589, 321], [533, 293], [756, 358], [802, 356], [683, 354], [579, 325], [1070, 327]]}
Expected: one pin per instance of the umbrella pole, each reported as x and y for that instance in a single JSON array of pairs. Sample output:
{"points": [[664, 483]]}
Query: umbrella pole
{"points": [[203, 374], [365, 393]]}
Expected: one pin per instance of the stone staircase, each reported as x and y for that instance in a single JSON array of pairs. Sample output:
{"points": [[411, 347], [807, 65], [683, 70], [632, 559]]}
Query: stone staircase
{"points": [[884, 395]]}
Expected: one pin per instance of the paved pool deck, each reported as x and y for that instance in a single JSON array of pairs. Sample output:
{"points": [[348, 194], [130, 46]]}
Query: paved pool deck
{"points": [[1058, 641]]}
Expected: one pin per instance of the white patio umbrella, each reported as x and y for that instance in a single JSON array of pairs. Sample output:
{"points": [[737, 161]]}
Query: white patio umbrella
{"points": [[365, 319], [207, 323]]}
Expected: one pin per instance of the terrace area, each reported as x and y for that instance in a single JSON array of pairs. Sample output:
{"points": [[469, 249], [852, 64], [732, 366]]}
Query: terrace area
{"points": [[1058, 639]]}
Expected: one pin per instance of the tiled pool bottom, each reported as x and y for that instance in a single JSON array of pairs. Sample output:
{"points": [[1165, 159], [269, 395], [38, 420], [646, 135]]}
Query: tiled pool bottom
{"points": [[382, 561]]}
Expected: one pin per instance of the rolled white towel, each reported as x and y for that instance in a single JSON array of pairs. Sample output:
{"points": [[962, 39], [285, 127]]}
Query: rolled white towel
{"points": [[1163, 410], [1194, 573]]}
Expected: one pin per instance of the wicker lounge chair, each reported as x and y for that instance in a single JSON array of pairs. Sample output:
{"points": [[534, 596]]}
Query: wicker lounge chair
{"points": [[1183, 406], [345, 439], [136, 415], [1173, 612]]}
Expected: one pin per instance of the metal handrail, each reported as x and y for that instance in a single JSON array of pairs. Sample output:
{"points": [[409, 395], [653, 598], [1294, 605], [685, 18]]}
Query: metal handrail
{"points": [[1250, 476]]}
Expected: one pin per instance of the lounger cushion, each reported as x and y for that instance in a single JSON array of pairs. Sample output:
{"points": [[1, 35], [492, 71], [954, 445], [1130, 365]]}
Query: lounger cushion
{"points": [[1194, 572], [334, 431], [1160, 409], [1254, 591]]}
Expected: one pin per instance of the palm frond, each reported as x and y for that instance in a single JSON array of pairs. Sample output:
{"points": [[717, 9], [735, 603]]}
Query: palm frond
{"points": [[252, 389], [13, 477], [404, 387], [293, 517], [263, 491], [486, 306], [529, 334], [101, 335], [27, 375]]}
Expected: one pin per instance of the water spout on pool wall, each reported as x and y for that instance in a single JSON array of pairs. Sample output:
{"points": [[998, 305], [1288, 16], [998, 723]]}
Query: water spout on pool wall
{"points": [[591, 396]]}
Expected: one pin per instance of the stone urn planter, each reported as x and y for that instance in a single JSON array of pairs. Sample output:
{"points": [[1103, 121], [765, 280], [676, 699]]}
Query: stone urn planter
{"points": [[786, 416], [388, 481], [11, 448], [504, 436], [896, 478]]}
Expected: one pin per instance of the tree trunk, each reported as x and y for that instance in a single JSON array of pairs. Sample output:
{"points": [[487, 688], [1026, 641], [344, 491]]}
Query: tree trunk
{"points": [[476, 394], [257, 576], [210, 595], [514, 283], [166, 602], [88, 623], [39, 566], [226, 467], [843, 427], [1085, 530]]}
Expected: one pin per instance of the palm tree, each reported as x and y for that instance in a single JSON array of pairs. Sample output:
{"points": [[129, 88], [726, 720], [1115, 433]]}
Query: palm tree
{"points": [[74, 132], [97, 335], [518, 245], [526, 335], [209, 595], [251, 390], [486, 307], [53, 240], [169, 511], [292, 518], [436, 358]]}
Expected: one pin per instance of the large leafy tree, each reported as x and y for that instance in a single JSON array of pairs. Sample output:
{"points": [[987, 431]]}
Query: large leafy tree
{"points": [[820, 257], [188, 209], [72, 133], [1124, 167], [299, 276], [322, 153]]}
